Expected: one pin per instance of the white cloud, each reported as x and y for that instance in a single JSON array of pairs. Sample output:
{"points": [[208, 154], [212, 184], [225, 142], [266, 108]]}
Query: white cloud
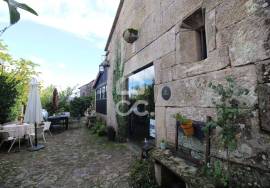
{"points": [[84, 18], [50, 74]]}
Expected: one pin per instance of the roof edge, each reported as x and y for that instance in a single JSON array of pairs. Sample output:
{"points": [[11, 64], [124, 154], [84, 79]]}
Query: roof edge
{"points": [[86, 84], [96, 80], [114, 24]]}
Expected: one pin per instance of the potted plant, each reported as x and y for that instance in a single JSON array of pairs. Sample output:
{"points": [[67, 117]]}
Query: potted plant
{"points": [[130, 35], [162, 144], [185, 123]]}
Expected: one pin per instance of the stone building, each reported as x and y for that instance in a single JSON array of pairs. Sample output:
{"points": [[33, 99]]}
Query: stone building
{"points": [[86, 89], [188, 44]]}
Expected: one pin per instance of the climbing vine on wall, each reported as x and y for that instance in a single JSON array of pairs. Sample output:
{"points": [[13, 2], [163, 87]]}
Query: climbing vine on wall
{"points": [[231, 111], [118, 87]]}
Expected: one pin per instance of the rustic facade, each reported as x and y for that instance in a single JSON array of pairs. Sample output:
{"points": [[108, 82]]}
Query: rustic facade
{"points": [[237, 43], [86, 89]]}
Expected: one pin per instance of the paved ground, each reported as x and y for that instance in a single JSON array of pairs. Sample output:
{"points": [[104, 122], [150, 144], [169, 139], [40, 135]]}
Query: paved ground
{"points": [[73, 158]]}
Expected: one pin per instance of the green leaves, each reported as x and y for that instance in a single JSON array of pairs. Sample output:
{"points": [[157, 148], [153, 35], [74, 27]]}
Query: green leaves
{"points": [[141, 174], [13, 13], [13, 10], [26, 8], [8, 94], [181, 118], [15, 76], [217, 173], [80, 104], [229, 111]]}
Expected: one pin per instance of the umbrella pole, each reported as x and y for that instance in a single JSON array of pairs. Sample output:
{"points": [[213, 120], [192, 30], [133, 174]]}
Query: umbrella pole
{"points": [[35, 134], [36, 146]]}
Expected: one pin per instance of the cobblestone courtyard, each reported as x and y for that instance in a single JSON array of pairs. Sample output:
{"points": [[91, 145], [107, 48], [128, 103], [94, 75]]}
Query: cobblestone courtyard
{"points": [[74, 158]]}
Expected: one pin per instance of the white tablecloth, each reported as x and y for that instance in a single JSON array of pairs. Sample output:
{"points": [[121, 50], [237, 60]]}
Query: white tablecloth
{"points": [[15, 130]]}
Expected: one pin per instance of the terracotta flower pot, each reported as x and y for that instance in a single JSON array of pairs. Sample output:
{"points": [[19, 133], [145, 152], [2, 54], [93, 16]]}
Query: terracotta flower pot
{"points": [[188, 128]]}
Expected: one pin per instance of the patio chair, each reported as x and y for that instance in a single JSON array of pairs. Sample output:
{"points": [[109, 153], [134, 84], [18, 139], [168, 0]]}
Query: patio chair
{"points": [[46, 128], [5, 137], [31, 133]]}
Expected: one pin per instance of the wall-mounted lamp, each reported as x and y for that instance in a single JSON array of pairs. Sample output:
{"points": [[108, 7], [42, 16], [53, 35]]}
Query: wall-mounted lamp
{"points": [[130, 35], [103, 65]]}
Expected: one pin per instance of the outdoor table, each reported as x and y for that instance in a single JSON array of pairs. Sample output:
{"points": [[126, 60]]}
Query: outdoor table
{"points": [[16, 130], [56, 119]]}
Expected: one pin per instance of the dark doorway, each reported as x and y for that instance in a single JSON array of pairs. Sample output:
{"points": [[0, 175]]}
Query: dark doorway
{"points": [[141, 90], [171, 180]]}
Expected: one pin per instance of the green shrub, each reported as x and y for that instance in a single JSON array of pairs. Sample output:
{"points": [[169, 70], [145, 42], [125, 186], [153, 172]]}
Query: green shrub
{"points": [[15, 75], [80, 104], [142, 175], [8, 95], [217, 174], [99, 128]]}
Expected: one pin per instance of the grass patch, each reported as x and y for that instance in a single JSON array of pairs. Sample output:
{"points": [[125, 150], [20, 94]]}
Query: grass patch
{"points": [[142, 174]]}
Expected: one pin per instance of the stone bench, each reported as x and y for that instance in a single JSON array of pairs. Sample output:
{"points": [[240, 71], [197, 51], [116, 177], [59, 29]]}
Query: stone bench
{"points": [[183, 169]]}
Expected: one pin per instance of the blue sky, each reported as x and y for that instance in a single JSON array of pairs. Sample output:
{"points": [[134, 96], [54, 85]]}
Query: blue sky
{"points": [[67, 39]]}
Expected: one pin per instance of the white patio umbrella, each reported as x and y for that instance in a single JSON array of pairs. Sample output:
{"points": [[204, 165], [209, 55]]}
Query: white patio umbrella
{"points": [[33, 113]]}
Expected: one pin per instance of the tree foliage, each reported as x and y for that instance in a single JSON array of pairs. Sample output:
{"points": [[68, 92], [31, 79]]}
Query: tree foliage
{"points": [[8, 95], [64, 99], [46, 98], [55, 100], [80, 104], [14, 15], [15, 77]]}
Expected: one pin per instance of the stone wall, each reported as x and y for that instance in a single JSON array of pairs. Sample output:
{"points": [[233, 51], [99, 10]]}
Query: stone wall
{"points": [[86, 89], [238, 44]]}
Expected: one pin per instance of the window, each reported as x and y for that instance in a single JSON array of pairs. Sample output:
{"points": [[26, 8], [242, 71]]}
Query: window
{"points": [[101, 102], [105, 92], [194, 26], [97, 96], [102, 92], [99, 92]]}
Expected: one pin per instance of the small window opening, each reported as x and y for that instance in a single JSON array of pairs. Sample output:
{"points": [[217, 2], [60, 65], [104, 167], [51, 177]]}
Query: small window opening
{"points": [[196, 22]]}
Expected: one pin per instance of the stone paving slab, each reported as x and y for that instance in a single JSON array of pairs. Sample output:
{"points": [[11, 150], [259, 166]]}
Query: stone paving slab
{"points": [[74, 158]]}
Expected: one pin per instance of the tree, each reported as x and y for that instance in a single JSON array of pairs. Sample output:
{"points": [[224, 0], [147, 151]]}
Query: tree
{"points": [[8, 94], [64, 99], [18, 72], [14, 14], [80, 104], [55, 100], [46, 98]]}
